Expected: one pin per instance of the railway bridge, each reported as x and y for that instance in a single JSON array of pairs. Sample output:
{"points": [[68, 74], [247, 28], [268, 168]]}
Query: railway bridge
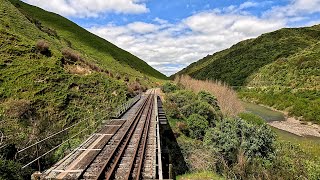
{"points": [[126, 147]]}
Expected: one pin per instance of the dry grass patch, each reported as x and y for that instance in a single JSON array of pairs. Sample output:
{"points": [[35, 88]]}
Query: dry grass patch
{"points": [[77, 69], [16, 108], [227, 98]]}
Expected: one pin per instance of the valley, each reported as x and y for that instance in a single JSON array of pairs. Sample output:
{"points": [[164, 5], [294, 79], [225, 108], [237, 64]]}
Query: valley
{"points": [[85, 92]]}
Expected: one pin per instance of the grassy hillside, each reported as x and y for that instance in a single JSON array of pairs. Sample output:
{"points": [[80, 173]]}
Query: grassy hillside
{"points": [[101, 51], [237, 63], [51, 78], [280, 69]]}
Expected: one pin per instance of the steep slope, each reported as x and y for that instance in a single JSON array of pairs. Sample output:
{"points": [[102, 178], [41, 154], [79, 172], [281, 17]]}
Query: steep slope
{"points": [[51, 79], [237, 63], [101, 51], [280, 69]]}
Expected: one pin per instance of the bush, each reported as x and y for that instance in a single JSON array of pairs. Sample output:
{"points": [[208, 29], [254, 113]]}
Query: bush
{"points": [[12, 170], [181, 104], [169, 87], [230, 135], [197, 126], [209, 98], [42, 46], [202, 108], [70, 55], [181, 98]]}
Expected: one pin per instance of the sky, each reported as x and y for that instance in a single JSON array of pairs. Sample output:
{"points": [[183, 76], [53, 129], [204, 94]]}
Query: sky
{"points": [[171, 34]]}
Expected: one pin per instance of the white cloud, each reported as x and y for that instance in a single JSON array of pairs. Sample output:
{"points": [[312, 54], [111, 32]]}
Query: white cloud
{"points": [[296, 8], [91, 8], [170, 47], [141, 27]]}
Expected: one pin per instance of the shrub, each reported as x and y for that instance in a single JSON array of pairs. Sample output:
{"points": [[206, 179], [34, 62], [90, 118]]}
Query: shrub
{"points": [[70, 55], [230, 135], [169, 87], [12, 170], [227, 98], [197, 126], [182, 104], [202, 108], [181, 98], [50, 32], [209, 98], [42, 46]]}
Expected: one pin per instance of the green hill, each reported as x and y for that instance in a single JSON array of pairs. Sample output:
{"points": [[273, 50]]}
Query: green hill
{"points": [[53, 74], [280, 69], [103, 52]]}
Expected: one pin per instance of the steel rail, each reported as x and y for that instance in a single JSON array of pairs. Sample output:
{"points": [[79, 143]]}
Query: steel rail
{"points": [[144, 145], [109, 174], [92, 160], [130, 128], [144, 131]]}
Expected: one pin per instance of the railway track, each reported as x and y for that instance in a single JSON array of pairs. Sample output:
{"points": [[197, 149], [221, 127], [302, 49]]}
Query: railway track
{"points": [[122, 149]]}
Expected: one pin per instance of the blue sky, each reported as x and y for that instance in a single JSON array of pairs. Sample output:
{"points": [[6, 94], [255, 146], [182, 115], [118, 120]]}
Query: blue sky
{"points": [[171, 34]]}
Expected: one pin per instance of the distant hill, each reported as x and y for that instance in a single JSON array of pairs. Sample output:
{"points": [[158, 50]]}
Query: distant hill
{"points": [[239, 64], [281, 69]]}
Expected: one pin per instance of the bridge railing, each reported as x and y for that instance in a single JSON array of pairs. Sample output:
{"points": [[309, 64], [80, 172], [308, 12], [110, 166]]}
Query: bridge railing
{"points": [[117, 113], [124, 107]]}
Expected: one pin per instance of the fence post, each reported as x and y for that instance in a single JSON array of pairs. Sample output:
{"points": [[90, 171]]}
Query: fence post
{"points": [[37, 150]]}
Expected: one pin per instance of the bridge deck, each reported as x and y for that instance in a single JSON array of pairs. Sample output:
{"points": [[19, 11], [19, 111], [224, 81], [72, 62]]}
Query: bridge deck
{"points": [[75, 165]]}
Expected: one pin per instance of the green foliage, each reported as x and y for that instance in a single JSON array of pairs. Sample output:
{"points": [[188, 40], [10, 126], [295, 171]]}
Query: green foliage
{"points": [[169, 87], [202, 108], [231, 135], [12, 170], [290, 162], [38, 95], [242, 60], [197, 126], [60, 152], [209, 175], [270, 65], [209, 98], [182, 104], [304, 103], [252, 118], [106, 54]]}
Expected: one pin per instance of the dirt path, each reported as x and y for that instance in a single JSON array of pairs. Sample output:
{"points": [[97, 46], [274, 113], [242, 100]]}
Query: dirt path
{"points": [[297, 127]]}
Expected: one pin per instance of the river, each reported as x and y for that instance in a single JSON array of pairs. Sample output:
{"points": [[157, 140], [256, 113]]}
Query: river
{"points": [[270, 115]]}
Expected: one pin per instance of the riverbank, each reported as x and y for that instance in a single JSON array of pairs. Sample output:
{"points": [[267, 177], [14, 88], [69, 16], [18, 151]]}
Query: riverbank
{"points": [[282, 121], [297, 127]]}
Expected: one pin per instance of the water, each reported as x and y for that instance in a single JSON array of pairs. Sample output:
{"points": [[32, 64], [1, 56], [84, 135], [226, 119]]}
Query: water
{"points": [[264, 112], [313, 143]]}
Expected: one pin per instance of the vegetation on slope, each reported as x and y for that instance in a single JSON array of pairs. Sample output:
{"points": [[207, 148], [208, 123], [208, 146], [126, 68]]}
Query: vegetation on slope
{"points": [[52, 77], [242, 60], [226, 97], [101, 51], [280, 69], [236, 148]]}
